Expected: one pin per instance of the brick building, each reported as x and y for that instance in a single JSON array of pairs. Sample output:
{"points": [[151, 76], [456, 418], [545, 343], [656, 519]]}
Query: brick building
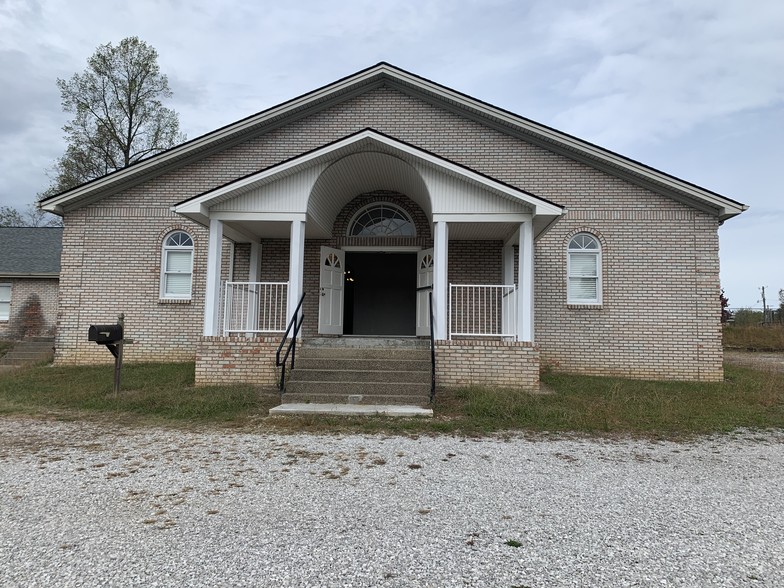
{"points": [[29, 271], [370, 193]]}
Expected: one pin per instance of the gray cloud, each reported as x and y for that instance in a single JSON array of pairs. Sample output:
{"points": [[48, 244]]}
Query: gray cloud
{"points": [[694, 89]]}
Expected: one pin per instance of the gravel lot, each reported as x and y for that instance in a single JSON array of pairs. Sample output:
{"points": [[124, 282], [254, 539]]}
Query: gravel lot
{"points": [[89, 504]]}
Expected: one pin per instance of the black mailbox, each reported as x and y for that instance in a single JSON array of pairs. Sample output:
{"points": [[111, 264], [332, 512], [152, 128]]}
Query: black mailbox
{"points": [[105, 334]]}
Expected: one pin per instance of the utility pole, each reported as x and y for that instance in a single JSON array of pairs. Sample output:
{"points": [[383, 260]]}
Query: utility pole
{"points": [[764, 307]]}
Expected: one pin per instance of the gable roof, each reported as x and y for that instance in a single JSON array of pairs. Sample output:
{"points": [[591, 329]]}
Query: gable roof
{"points": [[375, 76], [545, 211], [30, 251]]}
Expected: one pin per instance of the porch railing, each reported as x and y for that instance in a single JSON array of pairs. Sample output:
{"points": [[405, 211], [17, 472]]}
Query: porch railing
{"points": [[482, 310], [254, 307]]}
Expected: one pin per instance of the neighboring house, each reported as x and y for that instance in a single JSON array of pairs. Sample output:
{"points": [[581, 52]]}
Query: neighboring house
{"points": [[540, 249], [29, 270]]}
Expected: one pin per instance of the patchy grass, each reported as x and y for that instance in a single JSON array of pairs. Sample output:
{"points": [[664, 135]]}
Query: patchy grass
{"points": [[592, 405], [5, 347], [754, 337], [161, 391]]}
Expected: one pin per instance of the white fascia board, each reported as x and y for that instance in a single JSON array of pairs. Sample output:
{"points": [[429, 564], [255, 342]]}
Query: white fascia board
{"points": [[724, 205], [540, 206], [260, 216], [210, 139], [314, 157], [501, 217], [248, 182]]}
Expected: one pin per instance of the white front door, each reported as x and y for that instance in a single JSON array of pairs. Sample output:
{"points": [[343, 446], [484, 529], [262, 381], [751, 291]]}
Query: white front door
{"points": [[333, 262], [424, 288]]}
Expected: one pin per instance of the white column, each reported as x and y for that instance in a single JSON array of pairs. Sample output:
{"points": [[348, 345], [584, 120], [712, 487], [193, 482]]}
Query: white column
{"points": [[212, 294], [440, 279], [296, 266], [255, 262], [525, 283], [509, 305], [253, 294]]}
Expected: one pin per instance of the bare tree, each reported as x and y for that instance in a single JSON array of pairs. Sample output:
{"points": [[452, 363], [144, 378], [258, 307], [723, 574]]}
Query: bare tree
{"points": [[30, 216], [119, 116]]}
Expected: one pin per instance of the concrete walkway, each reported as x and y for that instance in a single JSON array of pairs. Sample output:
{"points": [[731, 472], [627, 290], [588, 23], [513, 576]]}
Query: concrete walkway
{"points": [[301, 408]]}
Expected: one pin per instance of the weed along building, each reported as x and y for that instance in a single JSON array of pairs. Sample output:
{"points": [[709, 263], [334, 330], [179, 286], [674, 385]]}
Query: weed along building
{"points": [[366, 196]]}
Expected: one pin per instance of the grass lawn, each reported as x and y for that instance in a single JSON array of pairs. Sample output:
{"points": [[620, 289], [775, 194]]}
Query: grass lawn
{"points": [[165, 392], [5, 347], [754, 337]]}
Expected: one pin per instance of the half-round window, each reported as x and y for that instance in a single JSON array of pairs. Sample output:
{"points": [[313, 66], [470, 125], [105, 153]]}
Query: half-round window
{"points": [[381, 219]]}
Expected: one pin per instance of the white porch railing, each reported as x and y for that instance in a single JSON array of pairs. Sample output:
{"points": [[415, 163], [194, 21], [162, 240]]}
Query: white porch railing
{"points": [[482, 311], [254, 307]]}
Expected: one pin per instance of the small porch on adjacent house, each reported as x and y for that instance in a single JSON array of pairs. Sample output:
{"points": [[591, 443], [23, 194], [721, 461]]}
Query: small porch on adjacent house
{"points": [[370, 238]]}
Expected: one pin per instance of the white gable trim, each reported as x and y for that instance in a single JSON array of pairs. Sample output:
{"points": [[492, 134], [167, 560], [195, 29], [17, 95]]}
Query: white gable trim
{"points": [[361, 81], [198, 208]]}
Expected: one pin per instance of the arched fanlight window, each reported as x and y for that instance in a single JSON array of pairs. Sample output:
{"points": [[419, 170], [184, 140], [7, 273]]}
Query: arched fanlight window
{"points": [[177, 266], [584, 270], [381, 219]]}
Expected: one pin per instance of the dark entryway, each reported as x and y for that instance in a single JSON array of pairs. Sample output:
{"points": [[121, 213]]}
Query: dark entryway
{"points": [[380, 294]]}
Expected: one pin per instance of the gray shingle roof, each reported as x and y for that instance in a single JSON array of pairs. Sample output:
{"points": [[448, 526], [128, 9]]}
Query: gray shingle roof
{"points": [[28, 251]]}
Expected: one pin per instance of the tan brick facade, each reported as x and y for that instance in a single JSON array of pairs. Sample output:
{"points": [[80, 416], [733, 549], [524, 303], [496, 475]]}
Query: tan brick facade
{"points": [[658, 318], [231, 360], [492, 363], [33, 310]]}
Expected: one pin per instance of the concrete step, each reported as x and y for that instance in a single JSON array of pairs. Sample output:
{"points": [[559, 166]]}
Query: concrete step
{"points": [[368, 342], [326, 363], [350, 410], [29, 351], [362, 353], [357, 399], [348, 375], [323, 388]]}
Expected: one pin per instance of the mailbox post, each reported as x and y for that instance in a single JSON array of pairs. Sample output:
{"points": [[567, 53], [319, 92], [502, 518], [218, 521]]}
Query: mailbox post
{"points": [[111, 336]]}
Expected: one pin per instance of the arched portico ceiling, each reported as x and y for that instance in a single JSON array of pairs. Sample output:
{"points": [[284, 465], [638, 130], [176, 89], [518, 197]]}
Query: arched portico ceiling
{"points": [[314, 186], [360, 173]]}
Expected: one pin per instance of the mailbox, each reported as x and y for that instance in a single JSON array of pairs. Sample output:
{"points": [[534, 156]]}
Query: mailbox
{"points": [[105, 334]]}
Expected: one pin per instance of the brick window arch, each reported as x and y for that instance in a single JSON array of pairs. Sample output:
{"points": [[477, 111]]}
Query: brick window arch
{"points": [[381, 219]]}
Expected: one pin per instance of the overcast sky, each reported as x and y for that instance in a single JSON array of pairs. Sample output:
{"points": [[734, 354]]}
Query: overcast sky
{"points": [[694, 88]]}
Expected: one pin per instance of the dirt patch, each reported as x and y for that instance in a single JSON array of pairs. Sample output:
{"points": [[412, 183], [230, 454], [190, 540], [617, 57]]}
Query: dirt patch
{"points": [[758, 360]]}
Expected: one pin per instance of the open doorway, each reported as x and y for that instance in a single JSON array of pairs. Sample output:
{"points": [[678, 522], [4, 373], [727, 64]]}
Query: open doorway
{"points": [[380, 294]]}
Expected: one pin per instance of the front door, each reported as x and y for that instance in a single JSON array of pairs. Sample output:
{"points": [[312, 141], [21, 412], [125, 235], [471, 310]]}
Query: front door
{"points": [[424, 287], [333, 262]]}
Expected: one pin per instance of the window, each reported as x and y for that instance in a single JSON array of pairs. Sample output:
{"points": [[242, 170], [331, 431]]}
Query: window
{"points": [[5, 302], [584, 270], [381, 220], [177, 266]]}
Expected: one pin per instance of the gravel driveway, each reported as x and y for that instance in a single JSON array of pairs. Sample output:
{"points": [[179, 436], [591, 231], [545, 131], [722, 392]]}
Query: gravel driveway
{"points": [[86, 504]]}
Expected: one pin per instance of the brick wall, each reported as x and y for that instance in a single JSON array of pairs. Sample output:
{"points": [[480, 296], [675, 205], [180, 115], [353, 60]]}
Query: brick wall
{"points": [[492, 363], [231, 360], [24, 291], [659, 317]]}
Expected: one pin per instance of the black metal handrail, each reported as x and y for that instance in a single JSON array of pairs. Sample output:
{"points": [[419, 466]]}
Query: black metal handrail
{"points": [[295, 323], [432, 350]]}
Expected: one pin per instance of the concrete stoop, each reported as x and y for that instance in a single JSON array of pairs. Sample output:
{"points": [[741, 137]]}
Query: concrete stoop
{"points": [[303, 408], [359, 371], [28, 352]]}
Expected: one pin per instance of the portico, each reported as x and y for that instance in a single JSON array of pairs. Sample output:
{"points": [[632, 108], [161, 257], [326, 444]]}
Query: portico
{"points": [[435, 201]]}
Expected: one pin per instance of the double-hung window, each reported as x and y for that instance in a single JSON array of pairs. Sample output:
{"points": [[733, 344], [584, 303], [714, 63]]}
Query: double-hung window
{"points": [[5, 302], [584, 268], [177, 266]]}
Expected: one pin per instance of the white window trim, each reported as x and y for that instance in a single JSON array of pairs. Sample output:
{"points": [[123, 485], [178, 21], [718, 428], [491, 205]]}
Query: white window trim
{"points": [[584, 301], [385, 204], [10, 293], [166, 248]]}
